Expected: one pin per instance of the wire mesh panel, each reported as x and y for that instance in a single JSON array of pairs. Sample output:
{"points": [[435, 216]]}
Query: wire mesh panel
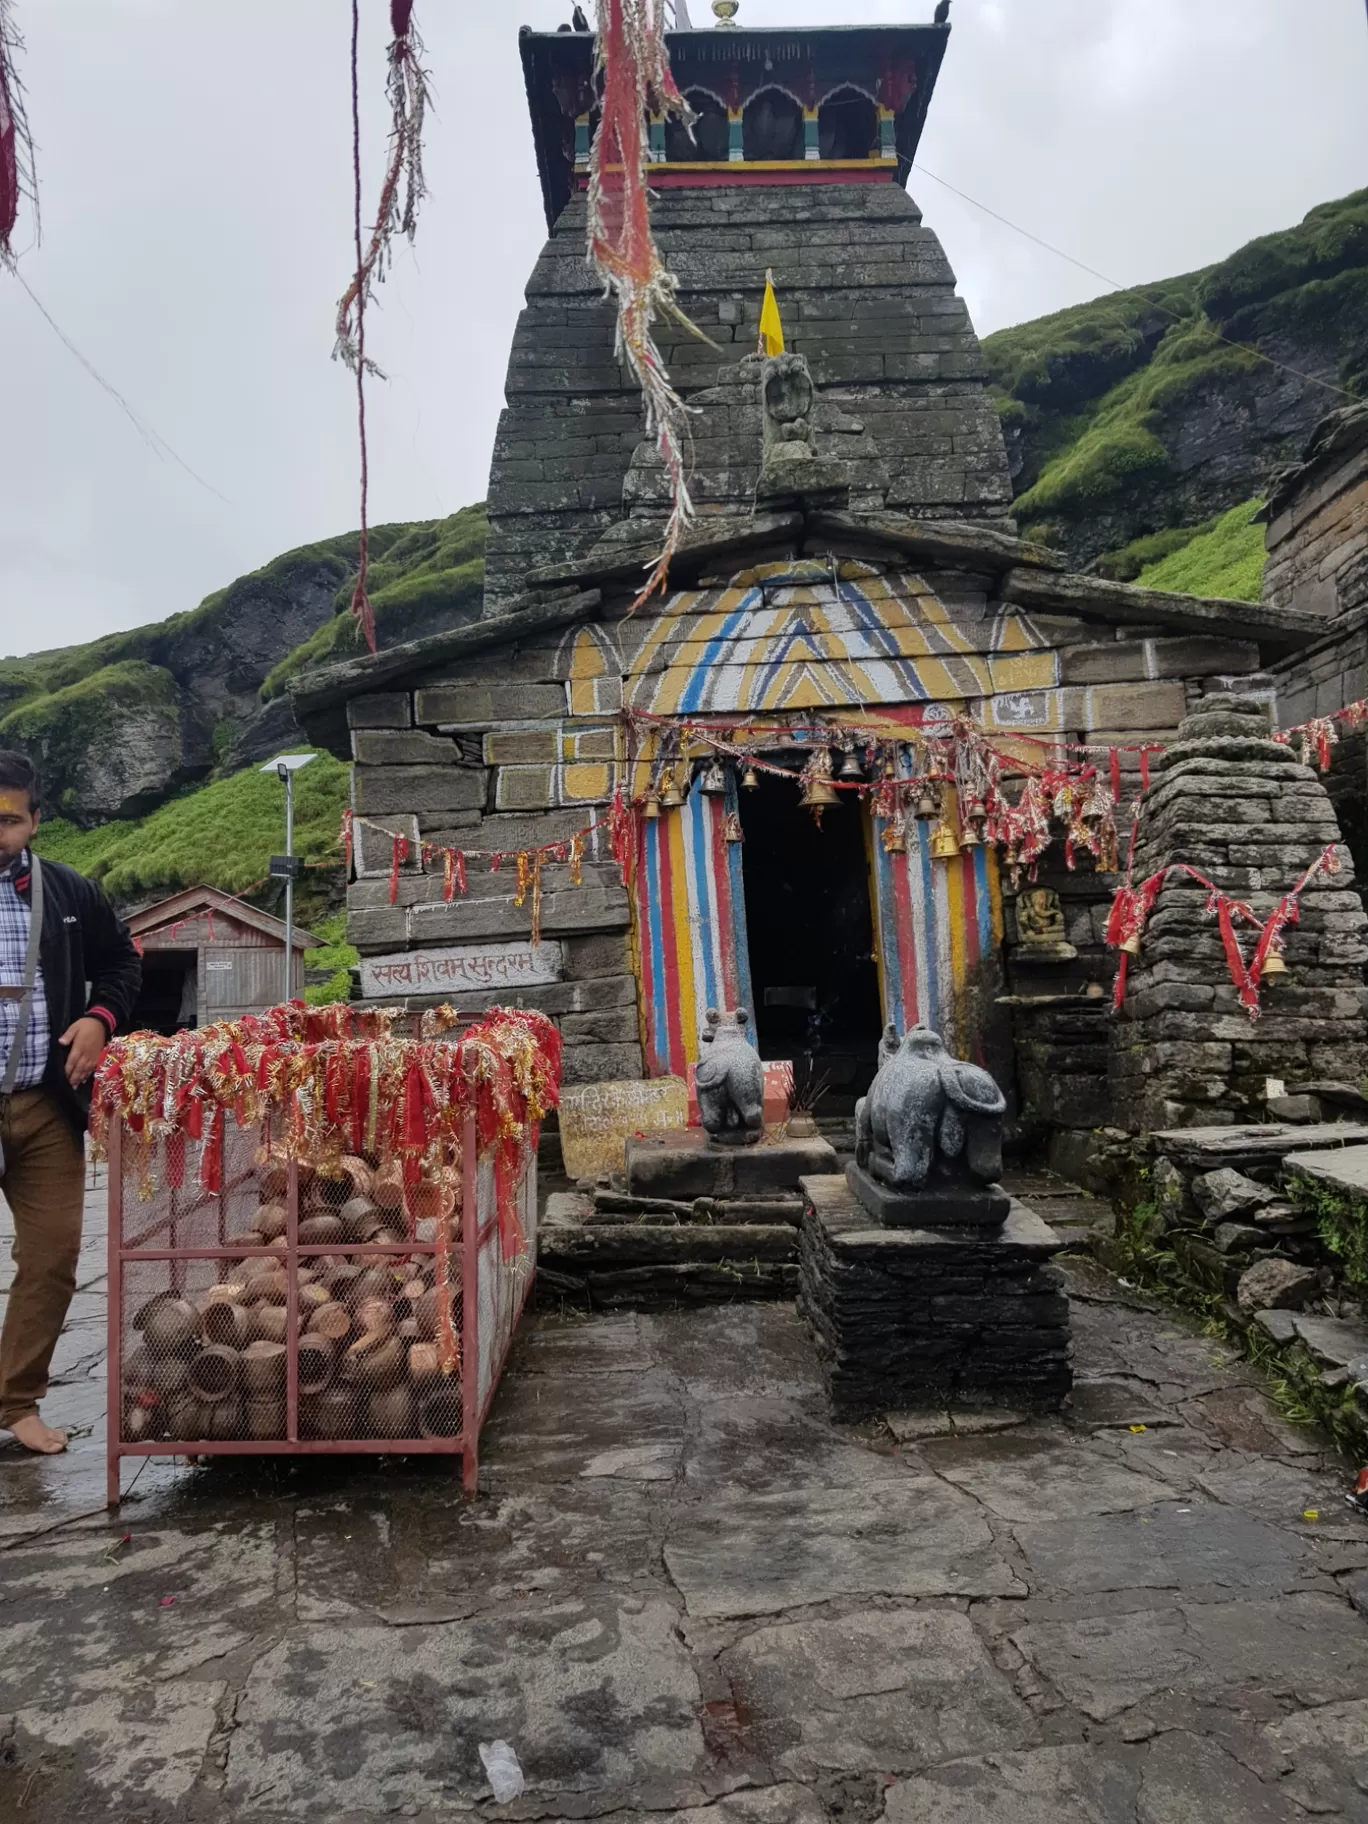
{"points": [[306, 1309], [322, 1228]]}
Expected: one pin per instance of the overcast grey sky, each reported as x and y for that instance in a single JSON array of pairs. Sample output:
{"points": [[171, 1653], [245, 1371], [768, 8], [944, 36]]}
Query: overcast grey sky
{"points": [[195, 163]]}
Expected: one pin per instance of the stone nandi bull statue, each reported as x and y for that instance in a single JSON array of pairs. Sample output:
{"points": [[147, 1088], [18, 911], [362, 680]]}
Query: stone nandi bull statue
{"points": [[928, 1138], [730, 1081]]}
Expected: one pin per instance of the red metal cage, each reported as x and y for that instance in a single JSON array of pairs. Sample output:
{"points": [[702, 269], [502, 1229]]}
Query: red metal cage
{"points": [[290, 1313]]}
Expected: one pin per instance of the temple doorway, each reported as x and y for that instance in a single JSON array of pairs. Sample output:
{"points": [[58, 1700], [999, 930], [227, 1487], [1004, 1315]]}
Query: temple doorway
{"points": [[810, 932]]}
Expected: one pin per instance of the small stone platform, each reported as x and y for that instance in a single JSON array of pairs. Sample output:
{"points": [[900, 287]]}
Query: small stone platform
{"points": [[687, 1165], [908, 1318]]}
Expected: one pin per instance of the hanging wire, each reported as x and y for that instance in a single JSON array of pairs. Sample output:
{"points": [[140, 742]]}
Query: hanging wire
{"points": [[1137, 290]]}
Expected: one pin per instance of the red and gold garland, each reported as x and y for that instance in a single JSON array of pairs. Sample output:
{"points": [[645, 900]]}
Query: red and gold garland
{"points": [[1132, 906], [330, 1081]]}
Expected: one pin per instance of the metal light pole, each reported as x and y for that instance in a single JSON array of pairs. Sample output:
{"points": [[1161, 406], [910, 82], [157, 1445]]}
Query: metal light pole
{"points": [[285, 866]]}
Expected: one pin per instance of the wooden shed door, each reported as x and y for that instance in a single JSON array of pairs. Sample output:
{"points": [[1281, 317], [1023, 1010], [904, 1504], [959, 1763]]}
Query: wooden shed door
{"points": [[239, 981]]}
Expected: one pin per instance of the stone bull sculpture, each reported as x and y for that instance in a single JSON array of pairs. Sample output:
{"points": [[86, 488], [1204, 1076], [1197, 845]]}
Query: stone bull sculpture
{"points": [[730, 1081], [928, 1137]]}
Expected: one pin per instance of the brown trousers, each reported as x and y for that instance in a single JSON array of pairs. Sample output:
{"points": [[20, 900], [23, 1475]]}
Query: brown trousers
{"points": [[44, 1184]]}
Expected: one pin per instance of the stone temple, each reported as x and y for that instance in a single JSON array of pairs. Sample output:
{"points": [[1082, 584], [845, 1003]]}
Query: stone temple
{"points": [[853, 563]]}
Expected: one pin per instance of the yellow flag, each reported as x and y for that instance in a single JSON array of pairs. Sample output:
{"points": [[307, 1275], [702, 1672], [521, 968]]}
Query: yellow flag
{"points": [[771, 325]]}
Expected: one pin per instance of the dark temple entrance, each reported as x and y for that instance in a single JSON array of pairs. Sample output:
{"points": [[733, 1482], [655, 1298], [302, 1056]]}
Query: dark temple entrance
{"points": [[811, 935]]}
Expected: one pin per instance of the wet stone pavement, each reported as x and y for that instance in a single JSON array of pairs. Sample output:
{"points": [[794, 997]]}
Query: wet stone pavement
{"points": [[685, 1596]]}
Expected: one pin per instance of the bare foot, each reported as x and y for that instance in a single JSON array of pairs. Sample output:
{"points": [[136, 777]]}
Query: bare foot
{"points": [[41, 1439]]}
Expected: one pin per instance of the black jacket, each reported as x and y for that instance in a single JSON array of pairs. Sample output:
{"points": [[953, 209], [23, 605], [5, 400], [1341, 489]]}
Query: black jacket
{"points": [[89, 966]]}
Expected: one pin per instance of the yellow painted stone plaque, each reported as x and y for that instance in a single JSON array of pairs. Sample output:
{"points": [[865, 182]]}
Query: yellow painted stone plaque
{"points": [[597, 1120]]}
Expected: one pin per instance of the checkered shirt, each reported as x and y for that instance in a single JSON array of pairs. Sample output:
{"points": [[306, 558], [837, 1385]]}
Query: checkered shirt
{"points": [[14, 932]]}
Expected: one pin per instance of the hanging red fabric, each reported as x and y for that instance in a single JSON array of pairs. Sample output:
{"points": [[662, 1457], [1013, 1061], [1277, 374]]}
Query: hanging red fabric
{"points": [[398, 856], [16, 143]]}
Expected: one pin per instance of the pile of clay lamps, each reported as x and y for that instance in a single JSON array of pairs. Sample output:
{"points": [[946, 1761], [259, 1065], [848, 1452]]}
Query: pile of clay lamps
{"points": [[211, 1366]]}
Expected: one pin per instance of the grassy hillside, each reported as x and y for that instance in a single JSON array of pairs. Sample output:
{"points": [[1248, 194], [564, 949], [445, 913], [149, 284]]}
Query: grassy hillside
{"points": [[428, 576], [222, 835], [1170, 405]]}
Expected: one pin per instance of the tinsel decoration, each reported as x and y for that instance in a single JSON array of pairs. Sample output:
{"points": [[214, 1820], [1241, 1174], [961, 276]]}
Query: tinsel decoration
{"points": [[401, 193], [331, 1081], [634, 69], [18, 177]]}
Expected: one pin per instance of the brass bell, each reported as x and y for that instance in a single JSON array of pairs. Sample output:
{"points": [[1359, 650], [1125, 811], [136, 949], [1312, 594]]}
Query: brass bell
{"points": [[731, 828], [1013, 856], [750, 779], [1275, 964], [713, 779], [671, 797], [819, 793], [977, 814], [928, 807], [894, 841], [850, 766], [652, 808], [1131, 945], [970, 838], [944, 843]]}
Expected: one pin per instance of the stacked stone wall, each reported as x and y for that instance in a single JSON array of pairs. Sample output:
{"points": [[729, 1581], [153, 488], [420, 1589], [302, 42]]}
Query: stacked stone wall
{"points": [[867, 296], [427, 768], [1239, 807]]}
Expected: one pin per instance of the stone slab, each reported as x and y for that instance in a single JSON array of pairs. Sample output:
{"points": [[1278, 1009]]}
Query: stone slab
{"points": [[931, 1208], [475, 967], [691, 1166], [1346, 1169]]}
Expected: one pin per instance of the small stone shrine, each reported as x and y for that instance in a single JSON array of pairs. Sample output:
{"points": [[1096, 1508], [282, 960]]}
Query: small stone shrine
{"points": [[731, 1157], [924, 1282]]}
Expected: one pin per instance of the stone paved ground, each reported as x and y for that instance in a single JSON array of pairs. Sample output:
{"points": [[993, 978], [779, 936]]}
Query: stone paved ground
{"points": [[686, 1597]]}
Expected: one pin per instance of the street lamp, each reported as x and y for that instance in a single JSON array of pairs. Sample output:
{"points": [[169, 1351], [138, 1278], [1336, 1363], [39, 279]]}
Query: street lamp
{"points": [[285, 866]]}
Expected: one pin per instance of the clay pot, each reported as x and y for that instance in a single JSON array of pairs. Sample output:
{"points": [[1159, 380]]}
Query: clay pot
{"points": [[271, 1220], [337, 1413], [271, 1288], [316, 1358], [320, 1231], [241, 1243], [432, 1200], [375, 1316], [170, 1374], [341, 1276], [394, 1413], [425, 1313], [265, 1419], [226, 1293], [263, 1368], [357, 1215], [186, 1420], [358, 1175], [406, 1330], [227, 1419], [227, 1324], [214, 1374], [440, 1412], [387, 1188], [374, 1362], [270, 1323], [255, 1268], [331, 1320], [311, 1299], [424, 1368], [140, 1423], [169, 1325], [372, 1283], [137, 1367]]}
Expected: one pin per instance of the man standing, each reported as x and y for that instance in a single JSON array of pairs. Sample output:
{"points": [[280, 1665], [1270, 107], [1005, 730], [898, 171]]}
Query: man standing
{"points": [[69, 976]]}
